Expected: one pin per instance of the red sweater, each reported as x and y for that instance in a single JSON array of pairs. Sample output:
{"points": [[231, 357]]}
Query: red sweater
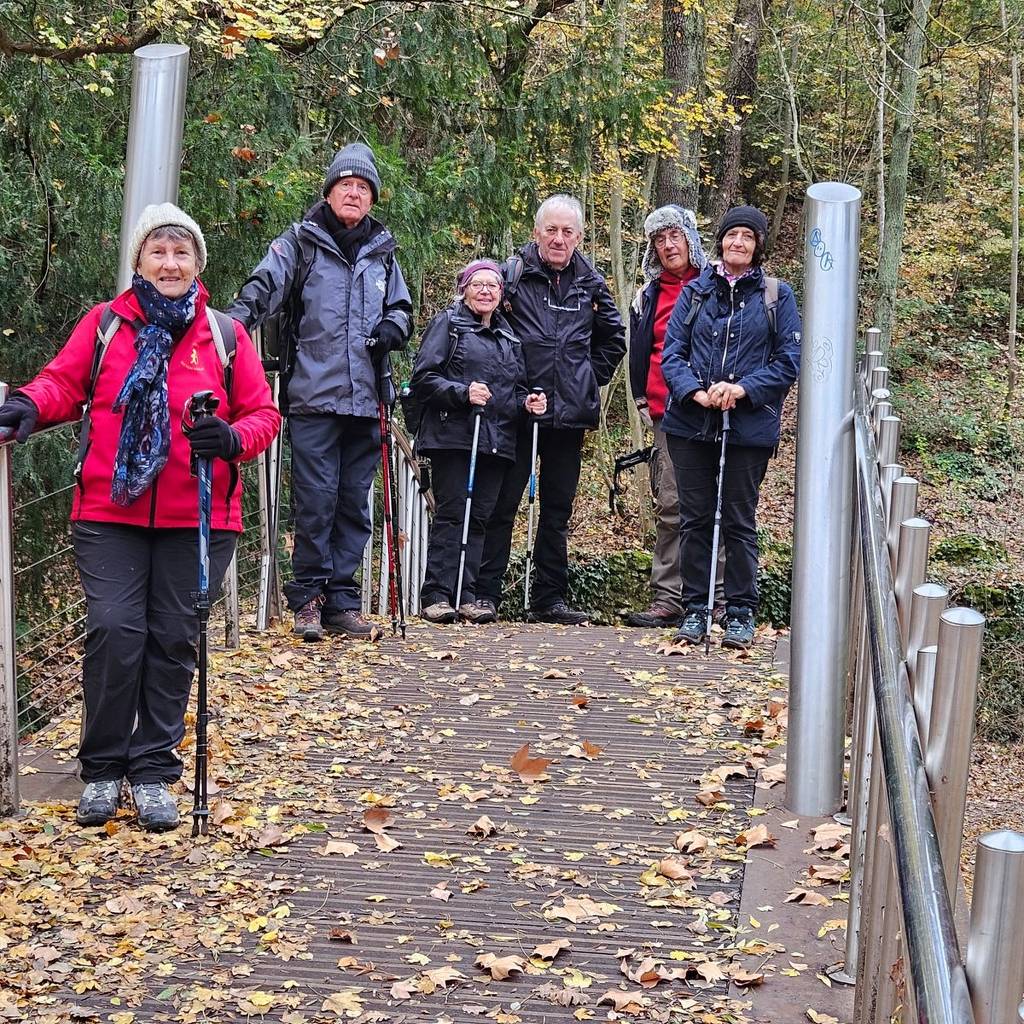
{"points": [[669, 288], [60, 391]]}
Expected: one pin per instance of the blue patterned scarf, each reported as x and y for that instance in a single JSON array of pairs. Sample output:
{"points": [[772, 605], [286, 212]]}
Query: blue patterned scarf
{"points": [[145, 440]]}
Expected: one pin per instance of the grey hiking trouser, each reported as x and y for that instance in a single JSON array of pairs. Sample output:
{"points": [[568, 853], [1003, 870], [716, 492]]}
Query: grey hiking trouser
{"points": [[141, 644]]}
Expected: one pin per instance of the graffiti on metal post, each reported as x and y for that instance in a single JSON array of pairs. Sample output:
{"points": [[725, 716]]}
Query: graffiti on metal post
{"points": [[820, 250], [822, 357]]}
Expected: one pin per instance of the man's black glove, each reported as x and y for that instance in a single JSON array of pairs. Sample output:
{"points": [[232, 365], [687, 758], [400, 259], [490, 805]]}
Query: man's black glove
{"points": [[385, 337], [19, 414], [213, 438]]}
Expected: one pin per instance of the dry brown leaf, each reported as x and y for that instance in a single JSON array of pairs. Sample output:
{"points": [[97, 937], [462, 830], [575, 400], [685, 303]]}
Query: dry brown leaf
{"points": [[549, 950], [338, 846], [645, 973], [272, 835], [692, 841], [625, 1002], [442, 977], [773, 774], [556, 673], [672, 868], [376, 819], [385, 843], [439, 892], [221, 811], [710, 971], [341, 935], [581, 909], [580, 701], [807, 897], [828, 872], [529, 769], [501, 967], [756, 835], [482, 827], [830, 835], [346, 1003], [709, 796]]}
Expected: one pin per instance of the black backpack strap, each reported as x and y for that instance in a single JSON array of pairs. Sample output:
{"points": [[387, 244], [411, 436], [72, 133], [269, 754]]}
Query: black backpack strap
{"points": [[771, 303], [694, 311], [512, 274]]}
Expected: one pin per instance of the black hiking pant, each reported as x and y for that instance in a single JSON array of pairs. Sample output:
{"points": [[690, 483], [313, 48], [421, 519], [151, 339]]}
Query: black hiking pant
{"points": [[334, 460], [559, 451], [696, 466], [141, 643], [450, 472]]}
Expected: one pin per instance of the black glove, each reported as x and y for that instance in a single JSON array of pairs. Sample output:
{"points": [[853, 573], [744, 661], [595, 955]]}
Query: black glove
{"points": [[213, 438], [385, 337], [19, 414]]}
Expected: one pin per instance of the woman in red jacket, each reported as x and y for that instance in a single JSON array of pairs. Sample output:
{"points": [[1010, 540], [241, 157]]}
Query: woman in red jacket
{"points": [[134, 515]]}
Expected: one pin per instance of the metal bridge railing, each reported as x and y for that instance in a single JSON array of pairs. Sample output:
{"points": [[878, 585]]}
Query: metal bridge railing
{"points": [[913, 670]]}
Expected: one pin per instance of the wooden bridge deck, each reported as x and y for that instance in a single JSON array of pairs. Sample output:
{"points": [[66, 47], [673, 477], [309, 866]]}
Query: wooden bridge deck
{"points": [[508, 823]]}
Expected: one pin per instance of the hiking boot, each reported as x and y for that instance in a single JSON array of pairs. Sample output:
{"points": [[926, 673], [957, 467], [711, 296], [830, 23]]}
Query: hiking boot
{"points": [[739, 628], [658, 616], [478, 612], [307, 621], [562, 615], [693, 627], [99, 802], [157, 810], [440, 613], [347, 622]]}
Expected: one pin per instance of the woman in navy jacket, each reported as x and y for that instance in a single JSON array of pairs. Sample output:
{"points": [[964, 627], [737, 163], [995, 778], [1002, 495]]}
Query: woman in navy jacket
{"points": [[733, 343]]}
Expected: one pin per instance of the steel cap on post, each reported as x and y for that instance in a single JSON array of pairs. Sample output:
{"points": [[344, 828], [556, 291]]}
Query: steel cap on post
{"points": [[824, 500]]}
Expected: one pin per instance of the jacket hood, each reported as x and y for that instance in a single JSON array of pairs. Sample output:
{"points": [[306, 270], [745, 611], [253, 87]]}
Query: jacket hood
{"points": [[671, 216]]}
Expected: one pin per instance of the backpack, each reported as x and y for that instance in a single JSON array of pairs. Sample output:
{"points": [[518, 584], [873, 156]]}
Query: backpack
{"points": [[771, 303], [412, 407], [512, 273], [222, 329]]}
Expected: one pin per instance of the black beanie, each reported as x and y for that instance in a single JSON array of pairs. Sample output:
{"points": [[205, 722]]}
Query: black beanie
{"points": [[353, 160], [743, 217]]}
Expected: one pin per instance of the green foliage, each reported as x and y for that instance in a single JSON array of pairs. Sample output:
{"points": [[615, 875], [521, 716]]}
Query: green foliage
{"points": [[968, 549], [775, 583]]}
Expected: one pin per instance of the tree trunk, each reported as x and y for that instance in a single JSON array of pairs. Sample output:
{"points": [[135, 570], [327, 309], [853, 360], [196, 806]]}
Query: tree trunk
{"points": [[740, 89], [880, 120], [1011, 339], [787, 132], [899, 161], [683, 31]]}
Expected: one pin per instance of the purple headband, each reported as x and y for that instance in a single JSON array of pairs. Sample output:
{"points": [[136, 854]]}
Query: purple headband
{"points": [[471, 268]]}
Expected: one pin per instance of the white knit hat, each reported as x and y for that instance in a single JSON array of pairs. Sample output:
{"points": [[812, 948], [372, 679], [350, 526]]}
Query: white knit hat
{"points": [[160, 215]]}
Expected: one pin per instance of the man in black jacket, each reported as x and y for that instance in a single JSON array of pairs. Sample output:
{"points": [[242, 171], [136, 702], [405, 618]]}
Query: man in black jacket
{"points": [[573, 339]]}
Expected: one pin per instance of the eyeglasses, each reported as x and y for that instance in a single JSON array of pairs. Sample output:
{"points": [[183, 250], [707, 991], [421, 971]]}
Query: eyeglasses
{"points": [[484, 286]]}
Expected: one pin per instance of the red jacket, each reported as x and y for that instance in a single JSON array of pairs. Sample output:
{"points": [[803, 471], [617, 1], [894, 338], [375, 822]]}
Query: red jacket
{"points": [[60, 390]]}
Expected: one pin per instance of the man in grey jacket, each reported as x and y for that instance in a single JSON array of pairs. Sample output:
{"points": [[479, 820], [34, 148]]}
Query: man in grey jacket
{"points": [[336, 274]]}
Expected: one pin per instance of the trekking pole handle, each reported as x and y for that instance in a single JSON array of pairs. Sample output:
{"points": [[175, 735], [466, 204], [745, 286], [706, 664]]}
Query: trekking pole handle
{"points": [[725, 421]]}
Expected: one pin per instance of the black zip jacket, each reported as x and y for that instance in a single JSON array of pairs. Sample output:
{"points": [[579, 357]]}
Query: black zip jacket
{"points": [[442, 374], [572, 336]]}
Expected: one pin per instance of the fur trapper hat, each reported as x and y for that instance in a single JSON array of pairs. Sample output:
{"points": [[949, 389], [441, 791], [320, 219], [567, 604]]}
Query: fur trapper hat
{"points": [[671, 216], [164, 215]]}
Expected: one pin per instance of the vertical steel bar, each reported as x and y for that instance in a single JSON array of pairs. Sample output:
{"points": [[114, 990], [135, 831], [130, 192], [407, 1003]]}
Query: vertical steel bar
{"points": [[902, 505], [888, 439], [887, 475], [911, 566], [155, 125], [995, 953], [232, 632], [366, 596], [924, 686], [927, 603], [951, 730], [9, 797], [877, 342], [266, 538], [879, 379], [872, 358], [824, 501]]}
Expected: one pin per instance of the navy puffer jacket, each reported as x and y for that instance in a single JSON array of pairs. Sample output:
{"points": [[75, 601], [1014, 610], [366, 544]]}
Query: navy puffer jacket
{"points": [[442, 375], [731, 339]]}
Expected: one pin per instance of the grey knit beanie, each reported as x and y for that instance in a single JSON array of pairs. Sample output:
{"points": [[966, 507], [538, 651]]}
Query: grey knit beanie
{"points": [[353, 160], [163, 215], [671, 216]]}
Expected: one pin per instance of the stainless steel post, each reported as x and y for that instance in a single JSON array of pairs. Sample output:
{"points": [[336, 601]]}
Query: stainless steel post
{"points": [[888, 439], [995, 953], [878, 396], [882, 408], [155, 125], [877, 342], [911, 566], [824, 501], [9, 798], [879, 379], [924, 686], [232, 638], [872, 358], [951, 730], [902, 505], [887, 476], [927, 603], [366, 590]]}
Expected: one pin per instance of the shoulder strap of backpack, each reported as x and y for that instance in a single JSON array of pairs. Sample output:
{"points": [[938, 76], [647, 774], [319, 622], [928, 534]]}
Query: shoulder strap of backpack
{"points": [[105, 330], [512, 273], [696, 301], [771, 302], [222, 328]]}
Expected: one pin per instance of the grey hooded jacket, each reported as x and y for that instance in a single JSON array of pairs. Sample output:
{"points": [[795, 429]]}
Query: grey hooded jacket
{"points": [[341, 304]]}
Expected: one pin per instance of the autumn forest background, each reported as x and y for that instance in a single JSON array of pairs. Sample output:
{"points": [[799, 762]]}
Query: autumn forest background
{"points": [[476, 110]]}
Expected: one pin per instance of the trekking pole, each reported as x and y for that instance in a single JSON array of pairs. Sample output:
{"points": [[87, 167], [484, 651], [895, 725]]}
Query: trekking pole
{"points": [[478, 411], [715, 535], [201, 405], [531, 504], [396, 600]]}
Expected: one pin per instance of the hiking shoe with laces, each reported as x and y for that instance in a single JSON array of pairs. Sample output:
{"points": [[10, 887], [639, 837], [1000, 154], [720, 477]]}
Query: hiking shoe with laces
{"points": [[693, 627], [739, 628], [157, 809], [562, 615], [477, 612], [440, 613], [99, 802], [658, 616], [347, 622], [307, 621]]}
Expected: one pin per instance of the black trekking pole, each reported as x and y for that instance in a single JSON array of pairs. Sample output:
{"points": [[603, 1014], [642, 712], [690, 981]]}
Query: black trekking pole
{"points": [[201, 405], [715, 534], [531, 503], [389, 485], [478, 411]]}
